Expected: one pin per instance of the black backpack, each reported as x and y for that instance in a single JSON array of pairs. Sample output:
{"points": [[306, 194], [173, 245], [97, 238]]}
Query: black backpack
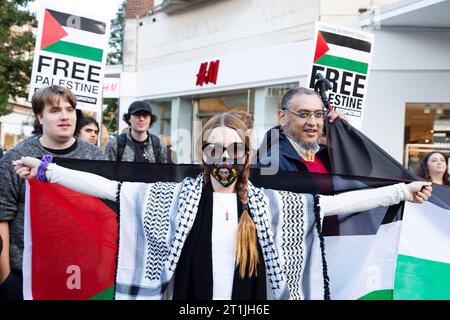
{"points": [[122, 142]]}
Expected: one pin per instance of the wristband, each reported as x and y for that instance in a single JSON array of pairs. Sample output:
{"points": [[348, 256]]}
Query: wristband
{"points": [[45, 161]]}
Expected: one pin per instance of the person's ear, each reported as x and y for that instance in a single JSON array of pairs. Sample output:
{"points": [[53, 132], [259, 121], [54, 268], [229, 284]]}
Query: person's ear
{"points": [[39, 117], [282, 118]]}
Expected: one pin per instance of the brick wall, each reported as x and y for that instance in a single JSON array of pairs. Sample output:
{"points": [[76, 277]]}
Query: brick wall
{"points": [[139, 8]]}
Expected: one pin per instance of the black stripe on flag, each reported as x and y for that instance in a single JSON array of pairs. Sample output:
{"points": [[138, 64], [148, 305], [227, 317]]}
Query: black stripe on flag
{"points": [[348, 42], [355, 224], [77, 22]]}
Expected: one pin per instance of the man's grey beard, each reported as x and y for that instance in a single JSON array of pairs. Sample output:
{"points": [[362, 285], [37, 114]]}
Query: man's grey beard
{"points": [[304, 144], [308, 145]]}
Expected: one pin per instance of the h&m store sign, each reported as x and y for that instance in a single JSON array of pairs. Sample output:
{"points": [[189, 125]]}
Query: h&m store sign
{"points": [[207, 73]]}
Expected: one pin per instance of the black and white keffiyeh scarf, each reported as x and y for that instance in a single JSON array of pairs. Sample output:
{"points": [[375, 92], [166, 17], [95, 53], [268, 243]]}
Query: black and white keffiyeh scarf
{"points": [[159, 226]]}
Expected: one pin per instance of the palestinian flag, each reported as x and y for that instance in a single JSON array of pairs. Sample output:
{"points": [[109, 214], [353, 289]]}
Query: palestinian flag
{"points": [[423, 262], [71, 239], [362, 255], [342, 52], [385, 253], [400, 252], [70, 245], [72, 35]]}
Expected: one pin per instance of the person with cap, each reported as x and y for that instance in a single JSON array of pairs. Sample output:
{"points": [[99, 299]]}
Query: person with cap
{"points": [[137, 144]]}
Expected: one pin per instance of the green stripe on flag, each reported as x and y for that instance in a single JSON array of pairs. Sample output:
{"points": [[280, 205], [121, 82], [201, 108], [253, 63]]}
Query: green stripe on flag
{"points": [[76, 50], [378, 295], [108, 294], [342, 63], [418, 279]]}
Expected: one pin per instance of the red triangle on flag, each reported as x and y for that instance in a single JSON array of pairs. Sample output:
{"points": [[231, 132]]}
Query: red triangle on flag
{"points": [[321, 47], [52, 31]]}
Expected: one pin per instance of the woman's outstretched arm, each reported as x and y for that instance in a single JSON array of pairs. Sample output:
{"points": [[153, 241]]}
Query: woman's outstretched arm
{"points": [[83, 182], [361, 200]]}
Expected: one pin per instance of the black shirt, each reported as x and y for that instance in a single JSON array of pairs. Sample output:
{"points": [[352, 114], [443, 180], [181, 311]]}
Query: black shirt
{"points": [[62, 152], [139, 147]]}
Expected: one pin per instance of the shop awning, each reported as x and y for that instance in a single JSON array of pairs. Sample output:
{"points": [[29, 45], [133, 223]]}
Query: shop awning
{"points": [[171, 6], [409, 13]]}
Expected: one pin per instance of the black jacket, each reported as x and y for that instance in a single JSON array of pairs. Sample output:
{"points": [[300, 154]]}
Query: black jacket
{"points": [[288, 158]]}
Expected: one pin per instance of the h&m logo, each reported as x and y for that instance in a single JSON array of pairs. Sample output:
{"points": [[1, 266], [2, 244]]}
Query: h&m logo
{"points": [[207, 74]]}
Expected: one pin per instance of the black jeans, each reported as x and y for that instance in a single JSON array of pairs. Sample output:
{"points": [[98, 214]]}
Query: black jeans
{"points": [[12, 287]]}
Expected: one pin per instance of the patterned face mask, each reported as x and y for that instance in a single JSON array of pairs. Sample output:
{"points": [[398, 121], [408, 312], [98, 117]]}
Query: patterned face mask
{"points": [[224, 169], [225, 172]]}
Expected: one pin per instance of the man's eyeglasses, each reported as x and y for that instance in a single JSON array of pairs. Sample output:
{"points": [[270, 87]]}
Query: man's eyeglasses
{"points": [[141, 114], [306, 115], [215, 151]]}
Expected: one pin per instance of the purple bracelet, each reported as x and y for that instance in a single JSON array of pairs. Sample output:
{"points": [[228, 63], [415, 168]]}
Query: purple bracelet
{"points": [[45, 161]]}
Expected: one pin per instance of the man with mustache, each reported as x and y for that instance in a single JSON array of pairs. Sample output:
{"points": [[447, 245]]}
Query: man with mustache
{"points": [[295, 145], [301, 117]]}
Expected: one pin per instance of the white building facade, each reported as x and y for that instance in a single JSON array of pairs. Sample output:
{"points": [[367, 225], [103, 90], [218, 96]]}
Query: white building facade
{"points": [[255, 50], [16, 125]]}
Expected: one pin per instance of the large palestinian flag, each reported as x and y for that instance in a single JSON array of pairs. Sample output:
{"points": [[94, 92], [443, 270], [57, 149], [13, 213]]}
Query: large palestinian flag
{"points": [[72, 35], [387, 253]]}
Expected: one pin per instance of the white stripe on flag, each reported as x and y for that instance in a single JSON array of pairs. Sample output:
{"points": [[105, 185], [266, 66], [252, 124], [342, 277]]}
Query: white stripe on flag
{"points": [[426, 232], [348, 53], [27, 251], [359, 265], [85, 38]]}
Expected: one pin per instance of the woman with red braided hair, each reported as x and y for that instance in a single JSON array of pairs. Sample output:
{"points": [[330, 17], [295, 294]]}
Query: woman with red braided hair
{"points": [[217, 236]]}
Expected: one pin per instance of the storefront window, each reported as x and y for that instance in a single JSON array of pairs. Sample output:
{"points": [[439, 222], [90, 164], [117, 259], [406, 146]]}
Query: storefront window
{"points": [[278, 91], [206, 107], [161, 128], [427, 128], [245, 101], [269, 99]]}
